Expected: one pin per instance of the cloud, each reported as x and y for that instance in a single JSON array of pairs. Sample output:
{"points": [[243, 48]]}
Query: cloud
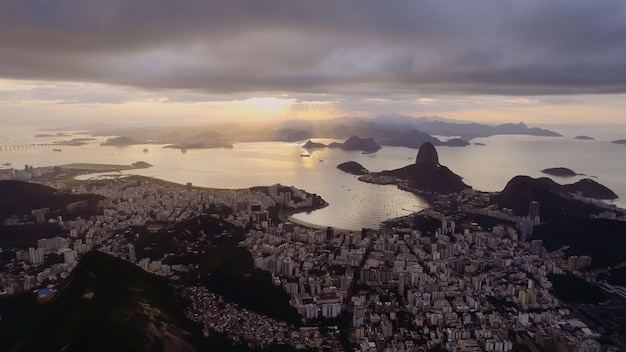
{"points": [[350, 47]]}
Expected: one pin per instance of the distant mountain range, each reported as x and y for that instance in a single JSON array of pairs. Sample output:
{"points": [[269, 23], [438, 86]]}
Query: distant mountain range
{"points": [[385, 130]]}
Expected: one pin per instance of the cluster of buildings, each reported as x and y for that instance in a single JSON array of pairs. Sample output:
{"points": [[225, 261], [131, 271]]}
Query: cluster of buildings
{"points": [[27, 173], [316, 268], [127, 202], [468, 291], [247, 327], [397, 288]]}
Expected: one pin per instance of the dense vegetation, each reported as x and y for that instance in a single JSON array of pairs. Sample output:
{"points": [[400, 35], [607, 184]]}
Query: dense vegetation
{"points": [[19, 198], [521, 190], [25, 236], [603, 240], [573, 289], [224, 267], [230, 271]]}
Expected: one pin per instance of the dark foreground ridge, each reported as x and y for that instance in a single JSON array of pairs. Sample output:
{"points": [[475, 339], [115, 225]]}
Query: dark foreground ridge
{"points": [[108, 304]]}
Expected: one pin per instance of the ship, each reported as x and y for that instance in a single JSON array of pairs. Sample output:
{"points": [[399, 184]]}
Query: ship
{"points": [[6, 164], [305, 155]]}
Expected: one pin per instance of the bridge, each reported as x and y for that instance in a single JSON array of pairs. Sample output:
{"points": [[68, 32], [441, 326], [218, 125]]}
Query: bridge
{"points": [[16, 147]]}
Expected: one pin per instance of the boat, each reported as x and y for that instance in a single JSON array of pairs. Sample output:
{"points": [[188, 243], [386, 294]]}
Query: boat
{"points": [[145, 149], [183, 150], [56, 150], [305, 155], [6, 164]]}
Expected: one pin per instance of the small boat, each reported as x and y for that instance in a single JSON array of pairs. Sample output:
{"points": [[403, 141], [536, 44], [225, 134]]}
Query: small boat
{"points": [[183, 150], [56, 150], [6, 164], [305, 155], [145, 149], [321, 160]]}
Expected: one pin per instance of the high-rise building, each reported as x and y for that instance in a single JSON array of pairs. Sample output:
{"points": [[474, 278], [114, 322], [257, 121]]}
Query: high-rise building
{"points": [[330, 232], [533, 211], [131, 253], [36, 255]]}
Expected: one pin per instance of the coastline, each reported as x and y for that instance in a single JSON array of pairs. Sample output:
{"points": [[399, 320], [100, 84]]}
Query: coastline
{"points": [[317, 227]]}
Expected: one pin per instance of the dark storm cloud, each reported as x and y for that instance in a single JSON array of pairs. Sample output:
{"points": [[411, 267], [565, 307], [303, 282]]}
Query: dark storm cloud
{"points": [[323, 46]]}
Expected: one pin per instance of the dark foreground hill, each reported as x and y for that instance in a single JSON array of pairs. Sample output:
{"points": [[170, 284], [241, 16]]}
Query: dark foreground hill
{"points": [[19, 198], [107, 304], [427, 174]]}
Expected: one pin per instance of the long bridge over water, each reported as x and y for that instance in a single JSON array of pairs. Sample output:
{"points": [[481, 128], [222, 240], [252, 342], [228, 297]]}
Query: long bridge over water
{"points": [[16, 147]]}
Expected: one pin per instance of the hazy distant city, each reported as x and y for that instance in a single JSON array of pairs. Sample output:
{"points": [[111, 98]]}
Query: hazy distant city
{"points": [[312, 176]]}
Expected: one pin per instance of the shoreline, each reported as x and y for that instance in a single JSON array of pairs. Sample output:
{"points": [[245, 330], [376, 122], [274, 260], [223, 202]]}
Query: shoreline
{"points": [[306, 224]]}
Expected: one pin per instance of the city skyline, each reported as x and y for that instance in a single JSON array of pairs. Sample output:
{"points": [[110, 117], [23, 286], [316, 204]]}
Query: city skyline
{"points": [[205, 62]]}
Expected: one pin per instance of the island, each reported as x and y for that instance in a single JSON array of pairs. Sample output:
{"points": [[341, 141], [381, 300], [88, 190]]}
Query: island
{"points": [[199, 145], [74, 141], [58, 134], [620, 141], [559, 171], [367, 145], [352, 167], [120, 141], [92, 167], [585, 138], [313, 145]]}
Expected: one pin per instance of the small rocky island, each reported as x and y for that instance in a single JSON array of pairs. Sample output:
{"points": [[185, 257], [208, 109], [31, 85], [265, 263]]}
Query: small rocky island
{"points": [[141, 165], [559, 171], [620, 141], [352, 167], [586, 138]]}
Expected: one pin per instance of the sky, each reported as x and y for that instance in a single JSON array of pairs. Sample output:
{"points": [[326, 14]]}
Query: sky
{"points": [[201, 61]]}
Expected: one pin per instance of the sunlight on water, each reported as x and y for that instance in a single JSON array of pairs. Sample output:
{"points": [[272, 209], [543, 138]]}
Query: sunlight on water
{"points": [[353, 204]]}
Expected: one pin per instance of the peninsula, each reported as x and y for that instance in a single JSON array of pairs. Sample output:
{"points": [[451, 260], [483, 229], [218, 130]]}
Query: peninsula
{"points": [[425, 175]]}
